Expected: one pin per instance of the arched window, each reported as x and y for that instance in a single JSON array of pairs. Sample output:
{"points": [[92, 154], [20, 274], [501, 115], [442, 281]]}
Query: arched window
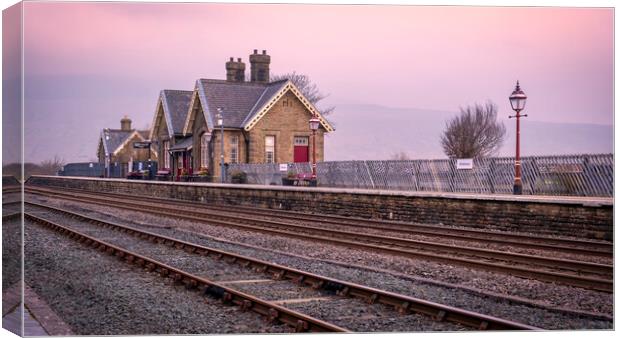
{"points": [[204, 149]]}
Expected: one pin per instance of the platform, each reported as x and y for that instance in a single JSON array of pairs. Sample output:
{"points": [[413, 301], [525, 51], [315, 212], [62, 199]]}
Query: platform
{"points": [[39, 318]]}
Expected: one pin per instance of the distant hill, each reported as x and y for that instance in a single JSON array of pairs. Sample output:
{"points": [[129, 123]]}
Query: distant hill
{"points": [[373, 132]]}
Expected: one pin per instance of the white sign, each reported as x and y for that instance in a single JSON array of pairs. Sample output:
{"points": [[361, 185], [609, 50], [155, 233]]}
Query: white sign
{"points": [[283, 167], [465, 163]]}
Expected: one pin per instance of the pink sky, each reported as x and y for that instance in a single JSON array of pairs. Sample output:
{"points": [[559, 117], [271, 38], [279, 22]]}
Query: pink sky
{"points": [[108, 59]]}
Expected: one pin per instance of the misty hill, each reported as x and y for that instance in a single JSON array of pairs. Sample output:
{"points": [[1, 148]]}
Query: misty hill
{"points": [[373, 132]]}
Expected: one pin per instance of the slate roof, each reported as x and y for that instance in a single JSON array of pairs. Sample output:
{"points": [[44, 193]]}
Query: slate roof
{"points": [[176, 105], [116, 137], [183, 144], [239, 100]]}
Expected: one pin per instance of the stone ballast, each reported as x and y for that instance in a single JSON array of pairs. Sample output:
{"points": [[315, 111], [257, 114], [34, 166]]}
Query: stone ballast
{"points": [[572, 216]]}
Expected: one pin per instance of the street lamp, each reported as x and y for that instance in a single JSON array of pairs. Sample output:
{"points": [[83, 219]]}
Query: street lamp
{"points": [[517, 101], [314, 125], [220, 123]]}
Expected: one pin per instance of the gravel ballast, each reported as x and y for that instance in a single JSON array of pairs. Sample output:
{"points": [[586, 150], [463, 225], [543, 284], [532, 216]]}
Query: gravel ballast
{"points": [[11, 252], [96, 294], [283, 291], [319, 259]]}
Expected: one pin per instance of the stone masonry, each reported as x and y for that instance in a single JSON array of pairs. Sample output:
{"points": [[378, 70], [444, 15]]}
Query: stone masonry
{"points": [[572, 217]]}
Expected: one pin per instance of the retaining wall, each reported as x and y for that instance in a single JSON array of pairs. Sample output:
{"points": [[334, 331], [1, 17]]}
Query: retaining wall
{"points": [[573, 216], [9, 181]]}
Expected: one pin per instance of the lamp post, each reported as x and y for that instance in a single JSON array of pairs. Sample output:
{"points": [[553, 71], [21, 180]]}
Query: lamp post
{"points": [[220, 123], [517, 101], [314, 125]]}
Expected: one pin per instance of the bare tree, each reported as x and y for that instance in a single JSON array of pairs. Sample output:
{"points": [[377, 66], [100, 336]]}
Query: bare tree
{"points": [[474, 133], [400, 156], [51, 167], [307, 87]]}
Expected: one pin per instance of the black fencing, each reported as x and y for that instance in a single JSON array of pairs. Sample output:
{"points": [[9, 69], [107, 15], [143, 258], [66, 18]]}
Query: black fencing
{"points": [[568, 175], [117, 170], [88, 169]]}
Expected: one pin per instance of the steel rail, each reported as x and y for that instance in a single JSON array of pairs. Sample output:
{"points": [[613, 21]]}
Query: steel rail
{"points": [[518, 240], [553, 263], [605, 285], [273, 312], [403, 304]]}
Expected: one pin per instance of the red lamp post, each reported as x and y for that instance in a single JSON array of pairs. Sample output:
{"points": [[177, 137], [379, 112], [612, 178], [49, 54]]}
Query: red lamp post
{"points": [[314, 125], [517, 101]]}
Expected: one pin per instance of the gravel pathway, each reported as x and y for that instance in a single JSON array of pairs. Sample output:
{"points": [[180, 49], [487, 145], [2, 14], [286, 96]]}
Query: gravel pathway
{"points": [[319, 259], [121, 299]]}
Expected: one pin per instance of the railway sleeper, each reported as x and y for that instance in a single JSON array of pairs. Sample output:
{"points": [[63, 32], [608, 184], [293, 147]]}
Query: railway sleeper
{"points": [[227, 298], [440, 316], [246, 305], [403, 308], [214, 291], [301, 326], [272, 315]]}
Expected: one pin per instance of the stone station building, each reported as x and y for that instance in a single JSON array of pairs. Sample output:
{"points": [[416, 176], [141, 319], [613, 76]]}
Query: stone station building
{"points": [[264, 122], [116, 149]]}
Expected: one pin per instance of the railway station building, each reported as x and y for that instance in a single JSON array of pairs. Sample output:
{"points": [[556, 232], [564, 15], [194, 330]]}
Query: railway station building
{"points": [[263, 121], [167, 134], [116, 149]]}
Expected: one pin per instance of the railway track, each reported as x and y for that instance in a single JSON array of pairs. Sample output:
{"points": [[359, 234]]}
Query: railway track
{"points": [[575, 273], [586, 247], [161, 253]]}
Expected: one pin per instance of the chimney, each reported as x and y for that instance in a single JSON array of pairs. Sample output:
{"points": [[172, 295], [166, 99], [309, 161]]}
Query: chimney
{"points": [[259, 66], [126, 123], [235, 70]]}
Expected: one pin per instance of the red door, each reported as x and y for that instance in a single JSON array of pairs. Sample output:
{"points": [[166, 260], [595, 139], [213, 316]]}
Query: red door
{"points": [[300, 150]]}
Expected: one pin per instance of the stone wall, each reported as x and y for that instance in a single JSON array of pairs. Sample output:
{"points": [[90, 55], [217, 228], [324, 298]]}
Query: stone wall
{"points": [[9, 181], [586, 218], [286, 119]]}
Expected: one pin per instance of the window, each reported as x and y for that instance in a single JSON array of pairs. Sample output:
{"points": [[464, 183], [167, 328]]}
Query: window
{"points": [[270, 149], [301, 140], [234, 149], [166, 154], [204, 150]]}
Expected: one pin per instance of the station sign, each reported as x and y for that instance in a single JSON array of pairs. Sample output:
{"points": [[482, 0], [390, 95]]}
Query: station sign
{"points": [[141, 145], [464, 163]]}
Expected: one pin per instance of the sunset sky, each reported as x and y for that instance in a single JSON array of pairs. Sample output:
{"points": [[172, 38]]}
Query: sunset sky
{"points": [[88, 64]]}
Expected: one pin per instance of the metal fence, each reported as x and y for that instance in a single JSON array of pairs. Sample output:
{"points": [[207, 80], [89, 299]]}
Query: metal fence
{"points": [[88, 169], [569, 175], [117, 170]]}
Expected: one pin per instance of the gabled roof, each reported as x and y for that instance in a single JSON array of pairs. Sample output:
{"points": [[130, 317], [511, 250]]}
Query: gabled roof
{"points": [[114, 140], [175, 105], [242, 103], [183, 144]]}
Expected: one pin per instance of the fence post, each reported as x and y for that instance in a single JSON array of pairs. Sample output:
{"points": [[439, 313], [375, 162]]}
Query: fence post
{"points": [[369, 175], [491, 176], [452, 169]]}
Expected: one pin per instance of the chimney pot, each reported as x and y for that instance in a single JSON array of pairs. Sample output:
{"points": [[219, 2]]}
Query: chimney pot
{"points": [[235, 70], [126, 123], [259, 64]]}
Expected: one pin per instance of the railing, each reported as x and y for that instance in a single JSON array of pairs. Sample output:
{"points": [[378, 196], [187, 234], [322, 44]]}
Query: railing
{"points": [[568, 175]]}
